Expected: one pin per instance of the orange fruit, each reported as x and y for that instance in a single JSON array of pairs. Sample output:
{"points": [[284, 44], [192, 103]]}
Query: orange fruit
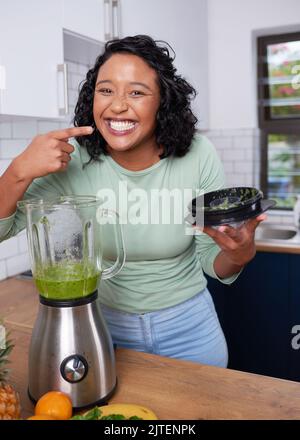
{"points": [[55, 404], [41, 417]]}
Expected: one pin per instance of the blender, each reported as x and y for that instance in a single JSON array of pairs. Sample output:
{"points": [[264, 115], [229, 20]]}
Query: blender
{"points": [[71, 348]]}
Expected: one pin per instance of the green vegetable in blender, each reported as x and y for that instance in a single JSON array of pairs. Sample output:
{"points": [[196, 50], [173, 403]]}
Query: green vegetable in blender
{"points": [[66, 280]]}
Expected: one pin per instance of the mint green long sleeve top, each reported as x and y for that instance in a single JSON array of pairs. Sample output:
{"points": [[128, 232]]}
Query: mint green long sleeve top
{"points": [[165, 263]]}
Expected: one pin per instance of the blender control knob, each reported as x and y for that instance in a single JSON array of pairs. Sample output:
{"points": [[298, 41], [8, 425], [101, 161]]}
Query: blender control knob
{"points": [[74, 368]]}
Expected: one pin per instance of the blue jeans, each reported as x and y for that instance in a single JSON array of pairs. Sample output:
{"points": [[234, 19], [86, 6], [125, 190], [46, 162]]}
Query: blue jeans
{"points": [[189, 330]]}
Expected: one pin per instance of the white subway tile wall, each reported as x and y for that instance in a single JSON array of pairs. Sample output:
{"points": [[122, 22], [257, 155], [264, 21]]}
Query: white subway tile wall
{"points": [[6, 130], [14, 138], [22, 242], [24, 129], [240, 155], [3, 165], [3, 272], [17, 264], [9, 248], [10, 148], [236, 150], [46, 126]]}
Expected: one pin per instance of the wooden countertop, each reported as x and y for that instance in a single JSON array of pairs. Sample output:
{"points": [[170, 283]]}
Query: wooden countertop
{"points": [[264, 246], [172, 389]]}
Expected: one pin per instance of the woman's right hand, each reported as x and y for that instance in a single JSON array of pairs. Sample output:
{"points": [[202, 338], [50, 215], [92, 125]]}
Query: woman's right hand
{"points": [[48, 153]]}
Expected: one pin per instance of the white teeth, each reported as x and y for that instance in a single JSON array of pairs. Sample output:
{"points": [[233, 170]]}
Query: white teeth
{"points": [[121, 125]]}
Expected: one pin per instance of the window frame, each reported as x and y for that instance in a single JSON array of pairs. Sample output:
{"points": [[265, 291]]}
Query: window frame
{"points": [[267, 125]]}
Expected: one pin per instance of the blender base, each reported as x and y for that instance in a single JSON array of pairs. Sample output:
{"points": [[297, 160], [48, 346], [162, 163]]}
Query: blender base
{"points": [[101, 402], [72, 351]]}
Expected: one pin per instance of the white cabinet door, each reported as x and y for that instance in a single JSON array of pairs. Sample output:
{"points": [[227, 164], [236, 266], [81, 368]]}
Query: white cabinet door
{"points": [[31, 47], [183, 24], [85, 17]]}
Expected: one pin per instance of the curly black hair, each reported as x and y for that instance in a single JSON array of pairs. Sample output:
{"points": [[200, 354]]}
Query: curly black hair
{"points": [[175, 121]]}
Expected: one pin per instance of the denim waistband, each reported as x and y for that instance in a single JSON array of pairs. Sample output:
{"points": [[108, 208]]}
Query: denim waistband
{"points": [[189, 330], [176, 308]]}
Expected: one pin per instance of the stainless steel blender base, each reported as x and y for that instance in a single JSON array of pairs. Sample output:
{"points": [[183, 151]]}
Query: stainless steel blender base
{"points": [[71, 351]]}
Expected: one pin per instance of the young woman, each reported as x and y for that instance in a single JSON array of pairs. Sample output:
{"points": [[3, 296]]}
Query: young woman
{"points": [[134, 128]]}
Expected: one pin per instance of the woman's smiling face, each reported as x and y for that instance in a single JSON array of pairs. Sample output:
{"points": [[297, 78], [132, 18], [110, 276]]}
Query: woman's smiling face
{"points": [[126, 102]]}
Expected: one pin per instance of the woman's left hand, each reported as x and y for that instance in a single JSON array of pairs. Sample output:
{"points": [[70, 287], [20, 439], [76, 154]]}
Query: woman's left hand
{"points": [[236, 243]]}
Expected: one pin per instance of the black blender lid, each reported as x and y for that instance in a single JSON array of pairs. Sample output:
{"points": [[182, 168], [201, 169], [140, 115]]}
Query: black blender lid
{"points": [[229, 205]]}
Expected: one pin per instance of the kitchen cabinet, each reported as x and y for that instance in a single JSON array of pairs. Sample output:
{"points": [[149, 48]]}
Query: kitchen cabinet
{"points": [[258, 312], [33, 75], [294, 351], [31, 54], [96, 19], [85, 17], [32, 69], [184, 25]]}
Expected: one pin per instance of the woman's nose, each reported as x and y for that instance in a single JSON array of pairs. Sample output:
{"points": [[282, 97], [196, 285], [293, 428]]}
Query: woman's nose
{"points": [[119, 104]]}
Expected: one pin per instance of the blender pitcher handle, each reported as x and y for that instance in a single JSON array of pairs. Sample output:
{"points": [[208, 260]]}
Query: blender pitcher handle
{"points": [[119, 263]]}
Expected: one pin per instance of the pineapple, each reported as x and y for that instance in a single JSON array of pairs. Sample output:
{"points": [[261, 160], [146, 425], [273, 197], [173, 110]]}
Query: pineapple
{"points": [[9, 398]]}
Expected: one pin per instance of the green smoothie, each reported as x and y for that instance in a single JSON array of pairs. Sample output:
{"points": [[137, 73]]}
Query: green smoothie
{"points": [[67, 280]]}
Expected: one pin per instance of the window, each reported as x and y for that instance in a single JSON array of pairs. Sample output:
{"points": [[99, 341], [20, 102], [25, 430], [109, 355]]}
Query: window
{"points": [[279, 117]]}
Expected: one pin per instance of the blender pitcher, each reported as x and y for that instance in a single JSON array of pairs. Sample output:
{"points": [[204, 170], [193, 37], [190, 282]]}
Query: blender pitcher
{"points": [[64, 237], [71, 349]]}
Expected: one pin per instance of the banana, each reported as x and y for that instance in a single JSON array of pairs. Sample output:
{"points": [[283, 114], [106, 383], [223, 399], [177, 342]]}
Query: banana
{"points": [[128, 410]]}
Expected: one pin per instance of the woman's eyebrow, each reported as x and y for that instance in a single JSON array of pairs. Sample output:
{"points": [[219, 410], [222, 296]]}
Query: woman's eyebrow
{"points": [[103, 81], [136, 83], [133, 83]]}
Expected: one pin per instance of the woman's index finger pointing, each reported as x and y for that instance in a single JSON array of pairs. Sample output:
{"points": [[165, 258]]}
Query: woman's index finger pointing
{"points": [[66, 133]]}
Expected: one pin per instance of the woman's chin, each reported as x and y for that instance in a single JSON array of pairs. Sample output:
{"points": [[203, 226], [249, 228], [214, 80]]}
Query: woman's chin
{"points": [[115, 146], [118, 143]]}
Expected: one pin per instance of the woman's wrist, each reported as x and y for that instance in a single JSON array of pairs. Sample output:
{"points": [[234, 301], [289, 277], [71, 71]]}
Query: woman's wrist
{"points": [[12, 188], [224, 267], [17, 171]]}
